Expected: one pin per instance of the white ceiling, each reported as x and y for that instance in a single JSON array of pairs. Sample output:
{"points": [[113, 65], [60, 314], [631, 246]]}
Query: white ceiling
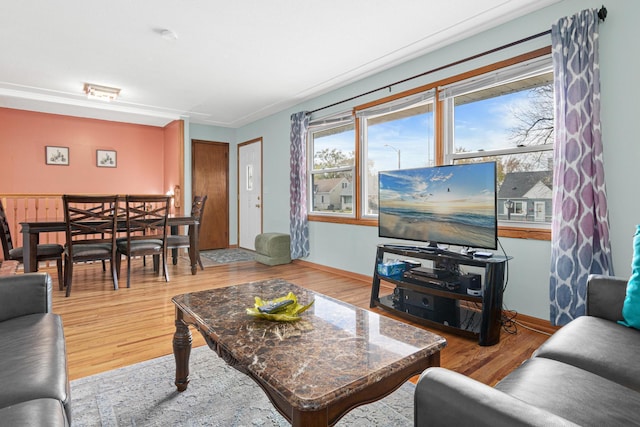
{"points": [[233, 62]]}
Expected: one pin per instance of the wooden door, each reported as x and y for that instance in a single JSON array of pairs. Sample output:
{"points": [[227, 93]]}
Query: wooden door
{"points": [[210, 168]]}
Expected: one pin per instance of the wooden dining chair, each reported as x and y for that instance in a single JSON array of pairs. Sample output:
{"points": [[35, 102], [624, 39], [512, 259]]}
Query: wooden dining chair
{"points": [[182, 241], [91, 230], [44, 251], [146, 227]]}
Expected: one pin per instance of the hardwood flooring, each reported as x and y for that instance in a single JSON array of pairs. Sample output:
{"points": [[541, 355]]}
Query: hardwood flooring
{"points": [[107, 329]]}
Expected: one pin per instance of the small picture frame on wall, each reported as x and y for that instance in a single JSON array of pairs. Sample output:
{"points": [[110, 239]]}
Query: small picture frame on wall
{"points": [[106, 158], [56, 155]]}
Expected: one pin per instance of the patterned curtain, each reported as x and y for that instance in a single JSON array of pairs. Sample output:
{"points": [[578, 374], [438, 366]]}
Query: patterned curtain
{"points": [[580, 228], [298, 223]]}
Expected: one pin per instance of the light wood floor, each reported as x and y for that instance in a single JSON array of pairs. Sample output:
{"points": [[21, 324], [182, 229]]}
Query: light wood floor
{"points": [[107, 329]]}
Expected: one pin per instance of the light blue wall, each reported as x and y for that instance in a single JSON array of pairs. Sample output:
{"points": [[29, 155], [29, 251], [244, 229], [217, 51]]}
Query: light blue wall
{"points": [[352, 248]]}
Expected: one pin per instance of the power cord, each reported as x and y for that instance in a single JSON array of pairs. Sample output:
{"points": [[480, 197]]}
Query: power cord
{"points": [[510, 324], [533, 329], [506, 267]]}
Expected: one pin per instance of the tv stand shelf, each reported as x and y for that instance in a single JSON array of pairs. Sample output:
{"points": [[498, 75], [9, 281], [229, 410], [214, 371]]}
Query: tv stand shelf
{"points": [[436, 306]]}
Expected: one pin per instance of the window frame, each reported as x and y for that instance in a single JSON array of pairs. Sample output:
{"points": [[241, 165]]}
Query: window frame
{"points": [[322, 125], [442, 152], [529, 230], [398, 104]]}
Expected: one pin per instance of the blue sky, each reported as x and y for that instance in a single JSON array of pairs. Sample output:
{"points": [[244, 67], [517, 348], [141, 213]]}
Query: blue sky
{"points": [[466, 182], [478, 125]]}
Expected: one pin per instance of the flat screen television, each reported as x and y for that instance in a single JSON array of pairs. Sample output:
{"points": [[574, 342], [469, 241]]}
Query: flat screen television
{"points": [[442, 205]]}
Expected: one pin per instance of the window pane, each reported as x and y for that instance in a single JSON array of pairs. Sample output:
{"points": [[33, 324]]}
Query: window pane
{"points": [[525, 185], [400, 140], [331, 189], [516, 117], [517, 114], [332, 192], [333, 147]]}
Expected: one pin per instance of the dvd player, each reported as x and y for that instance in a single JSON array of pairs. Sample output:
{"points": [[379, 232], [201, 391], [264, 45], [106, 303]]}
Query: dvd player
{"points": [[425, 280]]}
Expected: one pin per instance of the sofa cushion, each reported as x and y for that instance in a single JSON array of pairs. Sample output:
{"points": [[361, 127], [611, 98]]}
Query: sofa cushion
{"points": [[631, 306], [572, 393], [445, 398], [599, 346], [38, 412], [33, 360]]}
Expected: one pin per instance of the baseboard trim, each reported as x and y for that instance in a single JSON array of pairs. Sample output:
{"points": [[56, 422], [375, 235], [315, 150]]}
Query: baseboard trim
{"points": [[528, 321], [333, 270]]}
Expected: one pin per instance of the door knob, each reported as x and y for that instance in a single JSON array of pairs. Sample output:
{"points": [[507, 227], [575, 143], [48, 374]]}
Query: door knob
{"points": [[257, 205]]}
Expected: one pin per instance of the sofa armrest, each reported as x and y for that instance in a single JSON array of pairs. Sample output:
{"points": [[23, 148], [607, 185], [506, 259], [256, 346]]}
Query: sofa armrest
{"points": [[23, 294], [446, 398], [605, 296]]}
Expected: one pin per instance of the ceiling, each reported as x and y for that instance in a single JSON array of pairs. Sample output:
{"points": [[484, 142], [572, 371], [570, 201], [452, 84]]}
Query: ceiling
{"points": [[231, 63]]}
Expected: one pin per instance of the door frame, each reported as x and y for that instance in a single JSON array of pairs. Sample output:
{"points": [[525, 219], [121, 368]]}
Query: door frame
{"points": [[239, 146]]}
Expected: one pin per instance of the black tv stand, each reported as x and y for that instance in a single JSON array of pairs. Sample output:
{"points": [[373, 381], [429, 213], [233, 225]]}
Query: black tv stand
{"points": [[441, 302]]}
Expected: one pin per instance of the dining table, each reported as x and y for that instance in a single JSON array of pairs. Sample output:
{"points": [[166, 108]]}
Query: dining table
{"points": [[31, 230]]}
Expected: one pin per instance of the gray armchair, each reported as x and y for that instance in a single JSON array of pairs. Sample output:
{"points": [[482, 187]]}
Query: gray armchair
{"points": [[584, 374], [33, 360]]}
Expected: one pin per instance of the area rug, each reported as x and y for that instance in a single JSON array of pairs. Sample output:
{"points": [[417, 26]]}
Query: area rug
{"points": [[217, 395], [225, 256]]}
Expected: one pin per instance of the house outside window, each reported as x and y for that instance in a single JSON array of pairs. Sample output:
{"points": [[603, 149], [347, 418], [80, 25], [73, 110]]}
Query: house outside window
{"points": [[529, 194]]}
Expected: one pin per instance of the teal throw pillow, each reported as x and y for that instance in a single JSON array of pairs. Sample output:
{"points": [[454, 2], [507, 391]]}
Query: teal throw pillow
{"points": [[631, 307]]}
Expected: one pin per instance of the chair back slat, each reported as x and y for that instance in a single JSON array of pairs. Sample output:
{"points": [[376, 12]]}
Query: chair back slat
{"points": [[147, 216], [90, 219]]}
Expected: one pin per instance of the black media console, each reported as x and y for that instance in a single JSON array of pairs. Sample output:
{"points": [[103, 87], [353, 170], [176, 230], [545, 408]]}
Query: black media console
{"points": [[442, 295]]}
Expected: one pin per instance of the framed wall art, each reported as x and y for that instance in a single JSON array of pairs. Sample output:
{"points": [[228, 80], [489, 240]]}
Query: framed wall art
{"points": [[56, 155], [106, 158]]}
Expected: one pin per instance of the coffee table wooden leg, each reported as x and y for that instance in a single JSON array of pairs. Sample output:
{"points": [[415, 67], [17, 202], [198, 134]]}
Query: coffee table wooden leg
{"points": [[181, 352]]}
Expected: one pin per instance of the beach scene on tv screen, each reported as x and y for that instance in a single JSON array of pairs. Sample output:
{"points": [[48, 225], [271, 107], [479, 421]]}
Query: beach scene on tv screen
{"points": [[451, 204]]}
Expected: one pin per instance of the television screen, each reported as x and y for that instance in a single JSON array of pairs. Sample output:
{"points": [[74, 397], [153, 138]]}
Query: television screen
{"points": [[450, 205]]}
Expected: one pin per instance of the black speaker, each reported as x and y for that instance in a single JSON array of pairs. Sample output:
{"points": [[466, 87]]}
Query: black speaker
{"points": [[431, 307]]}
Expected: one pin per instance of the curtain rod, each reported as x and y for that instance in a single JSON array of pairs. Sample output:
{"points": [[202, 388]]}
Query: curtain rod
{"points": [[602, 14]]}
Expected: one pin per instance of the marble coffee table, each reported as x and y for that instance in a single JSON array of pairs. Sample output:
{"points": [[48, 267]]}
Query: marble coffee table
{"points": [[314, 370]]}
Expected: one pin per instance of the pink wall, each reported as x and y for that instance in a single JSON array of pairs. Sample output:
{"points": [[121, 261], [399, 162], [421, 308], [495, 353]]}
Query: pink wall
{"points": [[141, 164]]}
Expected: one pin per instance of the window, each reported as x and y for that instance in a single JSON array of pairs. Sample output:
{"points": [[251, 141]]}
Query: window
{"points": [[395, 135], [332, 167], [502, 112], [520, 208], [507, 116]]}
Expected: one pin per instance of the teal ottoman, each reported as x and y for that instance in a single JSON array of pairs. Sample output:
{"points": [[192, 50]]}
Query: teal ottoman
{"points": [[273, 248]]}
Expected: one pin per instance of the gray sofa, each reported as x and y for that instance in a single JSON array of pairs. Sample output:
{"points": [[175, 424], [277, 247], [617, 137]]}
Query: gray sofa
{"points": [[33, 359], [587, 374]]}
